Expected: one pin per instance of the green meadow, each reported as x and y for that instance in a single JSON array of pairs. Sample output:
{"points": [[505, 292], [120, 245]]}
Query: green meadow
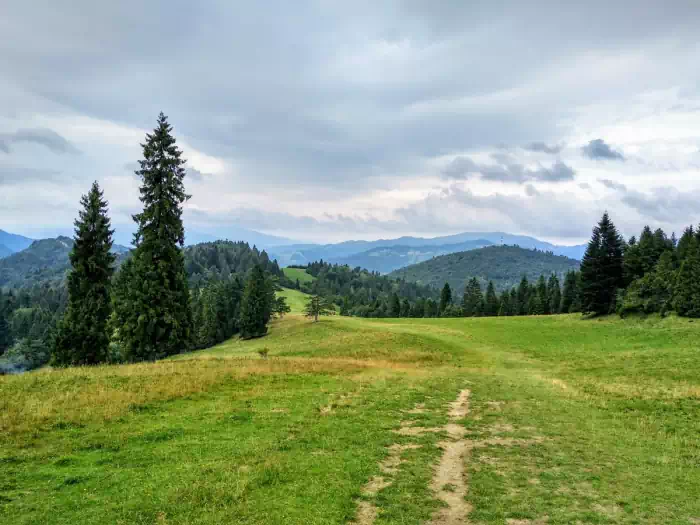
{"points": [[518, 420], [298, 273]]}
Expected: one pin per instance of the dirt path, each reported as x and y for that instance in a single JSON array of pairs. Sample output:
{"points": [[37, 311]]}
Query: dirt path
{"points": [[449, 480]]}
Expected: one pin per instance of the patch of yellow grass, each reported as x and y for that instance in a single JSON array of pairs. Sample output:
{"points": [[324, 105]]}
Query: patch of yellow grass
{"points": [[85, 394]]}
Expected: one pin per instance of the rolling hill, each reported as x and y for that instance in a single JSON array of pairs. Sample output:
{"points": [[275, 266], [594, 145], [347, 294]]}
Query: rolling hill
{"points": [[504, 265], [390, 258], [5, 251], [302, 254]]}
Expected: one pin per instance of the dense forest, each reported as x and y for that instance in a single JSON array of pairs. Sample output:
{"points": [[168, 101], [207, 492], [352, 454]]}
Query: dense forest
{"points": [[503, 265]]}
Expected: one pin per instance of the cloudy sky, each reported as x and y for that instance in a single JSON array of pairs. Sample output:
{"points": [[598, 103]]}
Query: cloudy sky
{"points": [[324, 121]]}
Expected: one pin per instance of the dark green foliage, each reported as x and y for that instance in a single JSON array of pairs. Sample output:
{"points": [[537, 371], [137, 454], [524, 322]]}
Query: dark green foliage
{"points": [[406, 308], [216, 309], [473, 299], [554, 295], [602, 269], [686, 299], [317, 306], [256, 307], [491, 304], [362, 293], [431, 308], [445, 298], [653, 292], [222, 259], [542, 297], [570, 292], [5, 335], [523, 298], [504, 265], [395, 306], [82, 337], [152, 300]]}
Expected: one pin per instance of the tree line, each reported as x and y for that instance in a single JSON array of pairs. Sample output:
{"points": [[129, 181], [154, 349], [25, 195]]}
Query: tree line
{"points": [[147, 310]]}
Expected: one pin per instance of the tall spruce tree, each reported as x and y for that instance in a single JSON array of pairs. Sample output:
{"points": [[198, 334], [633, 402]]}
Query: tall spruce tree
{"points": [[686, 297], [568, 296], [602, 269], [554, 294], [254, 305], [445, 298], [473, 298], [82, 337], [152, 303], [491, 304]]}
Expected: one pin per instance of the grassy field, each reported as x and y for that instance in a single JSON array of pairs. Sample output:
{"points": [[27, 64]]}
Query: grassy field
{"points": [[295, 299], [298, 273], [482, 421]]}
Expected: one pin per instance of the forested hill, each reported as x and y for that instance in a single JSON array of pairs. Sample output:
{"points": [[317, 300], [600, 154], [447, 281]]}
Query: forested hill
{"points": [[47, 262], [386, 259], [221, 259], [504, 265]]}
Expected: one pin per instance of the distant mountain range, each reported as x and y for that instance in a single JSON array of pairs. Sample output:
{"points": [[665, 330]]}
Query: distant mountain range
{"points": [[11, 243], [366, 253], [46, 260], [504, 265]]}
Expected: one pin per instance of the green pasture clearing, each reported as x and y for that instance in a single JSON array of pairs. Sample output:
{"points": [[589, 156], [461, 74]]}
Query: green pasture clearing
{"points": [[569, 421]]}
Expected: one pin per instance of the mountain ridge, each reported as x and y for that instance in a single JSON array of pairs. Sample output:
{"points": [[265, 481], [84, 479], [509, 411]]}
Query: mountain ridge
{"points": [[504, 265]]}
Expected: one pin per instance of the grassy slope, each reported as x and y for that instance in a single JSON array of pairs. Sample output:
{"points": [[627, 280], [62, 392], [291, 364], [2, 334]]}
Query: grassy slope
{"points": [[298, 273], [295, 299], [224, 436]]}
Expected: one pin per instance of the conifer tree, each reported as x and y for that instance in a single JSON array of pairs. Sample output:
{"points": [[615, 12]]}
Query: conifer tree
{"points": [[554, 294], [602, 269], [445, 298], [82, 337], [542, 296], [152, 304], [472, 299], [504, 308], [686, 299], [5, 335], [254, 304], [406, 308], [569, 293], [523, 297], [395, 306], [491, 304]]}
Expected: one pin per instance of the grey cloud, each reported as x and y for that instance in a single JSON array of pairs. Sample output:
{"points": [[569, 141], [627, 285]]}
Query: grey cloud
{"points": [[544, 148], [460, 167], [584, 186], [42, 136], [598, 149], [16, 175], [665, 204], [613, 185], [531, 191], [507, 170]]}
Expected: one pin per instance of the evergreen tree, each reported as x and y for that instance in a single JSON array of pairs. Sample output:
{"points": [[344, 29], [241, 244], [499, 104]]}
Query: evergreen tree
{"points": [[504, 308], [542, 296], [317, 306], [523, 297], [491, 304], [686, 299], [601, 269], [445, 298], [5, 334], [82, 337], [554, 294], [395, 307], [153, 313], [472, 299], [568, 297], [431, 308], [255, 304], [406, 308]]}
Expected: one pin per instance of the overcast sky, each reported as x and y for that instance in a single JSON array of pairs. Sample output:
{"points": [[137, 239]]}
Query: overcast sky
{"points": [[325, 121]]}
